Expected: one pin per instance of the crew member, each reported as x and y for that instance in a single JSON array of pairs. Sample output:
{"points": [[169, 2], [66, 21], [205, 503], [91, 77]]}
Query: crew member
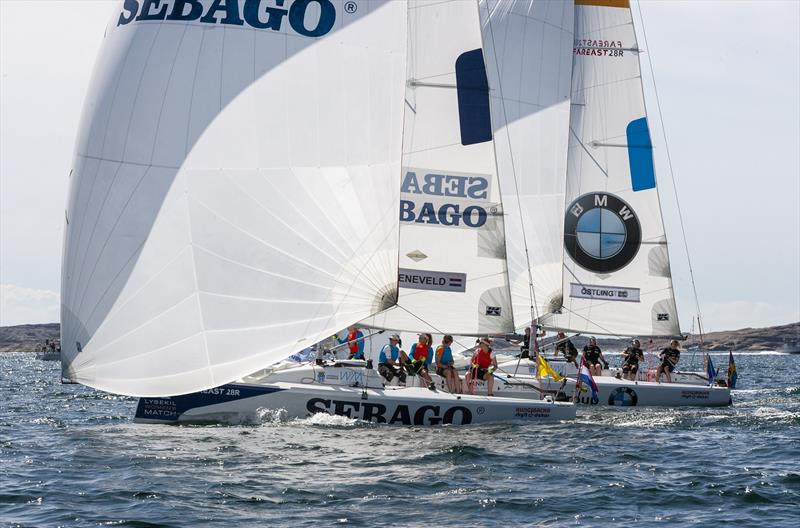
{"points": [[483, 365], [669, 358], [445, 365], [417, 361], [592, 355], [355, 342], [630, 360], [525, 341], [389, 360], [565, 347]]}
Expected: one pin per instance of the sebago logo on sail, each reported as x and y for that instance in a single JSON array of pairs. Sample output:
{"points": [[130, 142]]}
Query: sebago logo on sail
{"points": [[444, 199], [260, 14]]}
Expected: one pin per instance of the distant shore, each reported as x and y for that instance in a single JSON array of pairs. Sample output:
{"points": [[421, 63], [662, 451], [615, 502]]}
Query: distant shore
{"points": [[26, 338]]}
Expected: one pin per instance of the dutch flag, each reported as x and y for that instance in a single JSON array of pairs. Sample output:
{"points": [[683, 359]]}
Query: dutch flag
{"points": [[586, 378]]}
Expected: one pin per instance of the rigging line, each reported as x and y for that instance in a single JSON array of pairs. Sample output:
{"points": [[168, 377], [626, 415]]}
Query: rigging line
{"points": [[572, 131], [671, 174], [531, 290]]}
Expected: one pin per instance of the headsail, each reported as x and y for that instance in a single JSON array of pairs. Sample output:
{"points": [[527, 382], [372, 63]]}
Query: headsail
{"points": [[529, 62], [452, 245], [617, 276], [233, 196]]}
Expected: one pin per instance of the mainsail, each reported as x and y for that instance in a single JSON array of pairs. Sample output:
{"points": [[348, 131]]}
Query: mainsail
{"points": [[234, 190], [617, 276], [452, 273]]}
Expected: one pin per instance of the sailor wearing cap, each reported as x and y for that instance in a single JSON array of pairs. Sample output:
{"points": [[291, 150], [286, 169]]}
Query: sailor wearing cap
{"points": [[389, 359]]}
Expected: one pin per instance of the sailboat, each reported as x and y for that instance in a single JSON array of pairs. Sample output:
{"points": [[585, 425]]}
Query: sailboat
{"points": [[617, 278], [233, 199]]}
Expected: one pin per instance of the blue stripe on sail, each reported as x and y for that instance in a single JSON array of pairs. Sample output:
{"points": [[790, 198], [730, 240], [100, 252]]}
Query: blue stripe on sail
{"points": [[473, 98], [640, 155]]}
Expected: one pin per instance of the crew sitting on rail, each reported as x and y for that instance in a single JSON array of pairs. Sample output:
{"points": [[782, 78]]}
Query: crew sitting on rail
{"points": [[592, 355], [565, 347], [355, 342], [417, 361], [445, 366], [483, 365], [389, 363], [669, 358], [630, 360]]}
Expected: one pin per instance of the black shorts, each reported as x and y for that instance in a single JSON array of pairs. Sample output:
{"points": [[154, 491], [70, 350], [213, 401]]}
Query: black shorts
{"points": [[593, 363], [390, 371], [479, 373], [630, 368], [667, 366], [415, 368]]}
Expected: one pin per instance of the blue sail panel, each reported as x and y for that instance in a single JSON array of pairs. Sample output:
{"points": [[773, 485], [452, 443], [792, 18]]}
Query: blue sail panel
{"points": [[640, 155], [473, 98]]}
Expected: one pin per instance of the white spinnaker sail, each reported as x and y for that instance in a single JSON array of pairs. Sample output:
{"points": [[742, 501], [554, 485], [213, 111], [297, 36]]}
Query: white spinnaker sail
{"points": [[452, 253], [528, 47], [617, 276], [234, 191]]}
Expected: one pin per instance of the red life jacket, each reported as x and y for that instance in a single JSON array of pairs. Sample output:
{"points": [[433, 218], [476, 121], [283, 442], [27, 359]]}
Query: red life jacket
{"points": [[420, 352], [482, 358], [352, 343]]}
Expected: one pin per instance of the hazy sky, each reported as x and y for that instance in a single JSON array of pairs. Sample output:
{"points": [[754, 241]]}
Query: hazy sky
{"points": [[728, 74]]}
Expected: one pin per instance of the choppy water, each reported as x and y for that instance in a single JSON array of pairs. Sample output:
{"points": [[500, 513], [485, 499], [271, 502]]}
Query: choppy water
{"points": [[70, 456]]}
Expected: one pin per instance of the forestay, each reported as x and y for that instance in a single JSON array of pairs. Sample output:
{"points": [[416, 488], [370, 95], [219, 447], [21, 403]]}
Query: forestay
{"points": [[452, 244], [617, 276], [529, 63], [234, 190]]}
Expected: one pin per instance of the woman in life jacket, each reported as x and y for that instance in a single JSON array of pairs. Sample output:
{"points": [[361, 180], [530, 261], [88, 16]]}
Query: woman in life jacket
{"points": [[445, 366], [355, 342], [669, 358], [417, 360], [483, 365]]}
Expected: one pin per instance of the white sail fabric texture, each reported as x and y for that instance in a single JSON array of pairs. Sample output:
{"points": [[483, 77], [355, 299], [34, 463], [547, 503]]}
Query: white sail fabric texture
{"points": [[234, 191], [617, 276], [452, 254], [528, 47]]}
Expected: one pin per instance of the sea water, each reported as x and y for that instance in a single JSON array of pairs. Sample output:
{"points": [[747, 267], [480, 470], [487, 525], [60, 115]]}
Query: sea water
{"points": [[71, 456]]}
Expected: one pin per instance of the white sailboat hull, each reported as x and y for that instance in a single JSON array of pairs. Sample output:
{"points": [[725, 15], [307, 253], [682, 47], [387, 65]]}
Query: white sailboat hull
{"points": [[235, 403], [687, 389]]}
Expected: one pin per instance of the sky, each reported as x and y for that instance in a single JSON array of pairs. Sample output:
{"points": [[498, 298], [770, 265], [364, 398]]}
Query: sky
{"points": [[727, 74]]}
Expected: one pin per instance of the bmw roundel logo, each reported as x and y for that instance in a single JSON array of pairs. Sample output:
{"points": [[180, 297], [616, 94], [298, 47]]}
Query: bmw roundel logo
{"points": [[623, 397], [601, 232]]}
